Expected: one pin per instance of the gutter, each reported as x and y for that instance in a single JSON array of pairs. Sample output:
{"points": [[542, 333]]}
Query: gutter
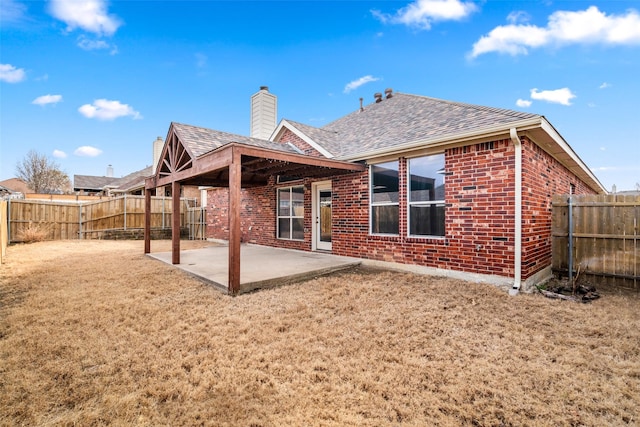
{"points": [[517, 247]]}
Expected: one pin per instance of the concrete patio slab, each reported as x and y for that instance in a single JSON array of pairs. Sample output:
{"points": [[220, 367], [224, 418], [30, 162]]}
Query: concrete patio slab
{"points": [[260, 266]]}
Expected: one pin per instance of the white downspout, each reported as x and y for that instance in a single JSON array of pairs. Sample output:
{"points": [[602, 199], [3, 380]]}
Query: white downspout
{"points": [[518, 214]]}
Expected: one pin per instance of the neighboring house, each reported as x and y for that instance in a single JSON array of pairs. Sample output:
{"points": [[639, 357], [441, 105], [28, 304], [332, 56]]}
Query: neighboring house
{"points": [[92, 185], [9, 194], [437, 186], [16, 187]]}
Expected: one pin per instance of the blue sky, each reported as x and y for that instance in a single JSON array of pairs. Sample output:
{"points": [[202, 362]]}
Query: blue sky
{"points": [[93, 83]]}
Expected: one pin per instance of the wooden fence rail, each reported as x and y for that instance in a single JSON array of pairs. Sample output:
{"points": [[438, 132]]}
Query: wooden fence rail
{"points": [[605, 239], [89, 220]]}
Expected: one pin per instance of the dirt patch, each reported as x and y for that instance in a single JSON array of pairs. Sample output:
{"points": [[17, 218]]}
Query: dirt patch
{"points": [[94, 332]]}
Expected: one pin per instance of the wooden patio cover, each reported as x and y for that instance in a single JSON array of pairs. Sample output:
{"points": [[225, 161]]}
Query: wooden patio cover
{"points": [[233, 165]]}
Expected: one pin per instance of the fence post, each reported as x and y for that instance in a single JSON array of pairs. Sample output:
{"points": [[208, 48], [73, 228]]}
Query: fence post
{"points": [[80, 236], [125, 211], [570, 207], [9, 221], [163, 212]]}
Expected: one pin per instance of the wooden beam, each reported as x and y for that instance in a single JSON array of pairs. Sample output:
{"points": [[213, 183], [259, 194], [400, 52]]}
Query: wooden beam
{"points": [[205, 164], [175, 222], [247, 150], [147, 221], [235, 184]]}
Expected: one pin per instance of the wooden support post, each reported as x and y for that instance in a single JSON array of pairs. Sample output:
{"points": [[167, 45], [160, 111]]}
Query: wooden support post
{"points": [[147, 221], [235, 184], [175, 222]]}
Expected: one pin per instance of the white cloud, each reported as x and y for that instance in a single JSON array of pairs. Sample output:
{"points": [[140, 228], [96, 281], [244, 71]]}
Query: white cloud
{"points": [[604, 85], [359, 82], [559, 96], [88, 15], [518, 16], [524, 103], [104, 109], [422, 13], [47, 99], [87, 151], [59, 154], [12, 11], [87, 44], [11, 74], [590, 26]]}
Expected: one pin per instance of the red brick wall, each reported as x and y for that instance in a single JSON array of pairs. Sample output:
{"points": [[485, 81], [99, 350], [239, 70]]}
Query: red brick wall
{"points": [[258, 216], [542, 178], [480, 206], [290, 137]]}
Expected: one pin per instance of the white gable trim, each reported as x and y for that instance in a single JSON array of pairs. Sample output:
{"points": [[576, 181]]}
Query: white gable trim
{"points": [[284, 124]]}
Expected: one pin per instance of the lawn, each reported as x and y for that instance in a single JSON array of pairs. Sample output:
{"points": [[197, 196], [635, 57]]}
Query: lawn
{"points": [[94, 332]]}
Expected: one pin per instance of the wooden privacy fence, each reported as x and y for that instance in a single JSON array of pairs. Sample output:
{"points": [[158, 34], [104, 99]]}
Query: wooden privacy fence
{"points": [[74, 220], [4, 232], [598, 236]]}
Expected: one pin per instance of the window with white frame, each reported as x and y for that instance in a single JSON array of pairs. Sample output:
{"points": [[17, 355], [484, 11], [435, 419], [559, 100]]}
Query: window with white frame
{"points": [[426, 180], [385, 187], [291, 213]]}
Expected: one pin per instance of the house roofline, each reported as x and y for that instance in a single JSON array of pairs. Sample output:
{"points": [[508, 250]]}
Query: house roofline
{"points": [[447, 140], [572, 161], [286, 124]]}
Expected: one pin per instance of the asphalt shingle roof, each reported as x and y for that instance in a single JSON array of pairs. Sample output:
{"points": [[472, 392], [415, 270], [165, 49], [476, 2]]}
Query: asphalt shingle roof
{"points": [[405, 118], [92, 182], [202, 140], [134, 180]]}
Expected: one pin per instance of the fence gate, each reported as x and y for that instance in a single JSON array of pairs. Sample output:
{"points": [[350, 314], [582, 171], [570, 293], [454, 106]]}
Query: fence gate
{"points": [[604, 240], [197, 223]]}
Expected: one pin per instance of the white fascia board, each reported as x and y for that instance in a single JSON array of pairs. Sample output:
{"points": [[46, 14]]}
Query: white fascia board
{"points": [[449, 140], [558, 139], [285, 124]]}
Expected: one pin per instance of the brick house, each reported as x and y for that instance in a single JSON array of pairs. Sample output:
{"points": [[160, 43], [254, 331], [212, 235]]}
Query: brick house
{"points": [[408, 181]]}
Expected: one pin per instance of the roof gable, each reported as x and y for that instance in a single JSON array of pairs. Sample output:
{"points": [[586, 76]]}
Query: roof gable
{"points": [[199, 141]]}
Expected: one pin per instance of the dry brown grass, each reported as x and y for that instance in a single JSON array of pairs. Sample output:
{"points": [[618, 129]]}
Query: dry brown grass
{"points": [[94, 333]]}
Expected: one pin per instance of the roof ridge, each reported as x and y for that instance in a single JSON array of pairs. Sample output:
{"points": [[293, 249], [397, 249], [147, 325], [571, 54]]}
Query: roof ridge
{"points": [[505, 111]]}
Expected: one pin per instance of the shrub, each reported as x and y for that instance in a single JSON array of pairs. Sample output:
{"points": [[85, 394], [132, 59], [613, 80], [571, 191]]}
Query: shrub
{"points": [[34, 233]]}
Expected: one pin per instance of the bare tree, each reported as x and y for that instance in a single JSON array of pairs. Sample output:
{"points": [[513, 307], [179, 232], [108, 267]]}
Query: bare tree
{"points": [[42, 174]]}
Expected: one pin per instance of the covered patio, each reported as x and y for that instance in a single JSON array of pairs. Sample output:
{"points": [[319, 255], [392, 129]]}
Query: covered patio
{"points": [[204, 157], [268, 267]]}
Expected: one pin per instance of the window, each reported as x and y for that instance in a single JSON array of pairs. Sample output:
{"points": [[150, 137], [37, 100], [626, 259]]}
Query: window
{"points": [[291, 213], [426, 195], [385, 184]]}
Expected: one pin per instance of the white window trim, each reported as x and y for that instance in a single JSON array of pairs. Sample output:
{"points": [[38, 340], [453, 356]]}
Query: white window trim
{"points": [[429, 203], [290, 216], [372, 204]]}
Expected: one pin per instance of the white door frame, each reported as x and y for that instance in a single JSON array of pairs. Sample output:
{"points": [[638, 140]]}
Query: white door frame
{"points": [[316, 244]]}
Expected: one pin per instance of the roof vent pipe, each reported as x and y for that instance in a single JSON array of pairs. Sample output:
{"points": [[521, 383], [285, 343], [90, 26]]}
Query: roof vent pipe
{"points": [[361, 107], [388, 93], [378, 97]]}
